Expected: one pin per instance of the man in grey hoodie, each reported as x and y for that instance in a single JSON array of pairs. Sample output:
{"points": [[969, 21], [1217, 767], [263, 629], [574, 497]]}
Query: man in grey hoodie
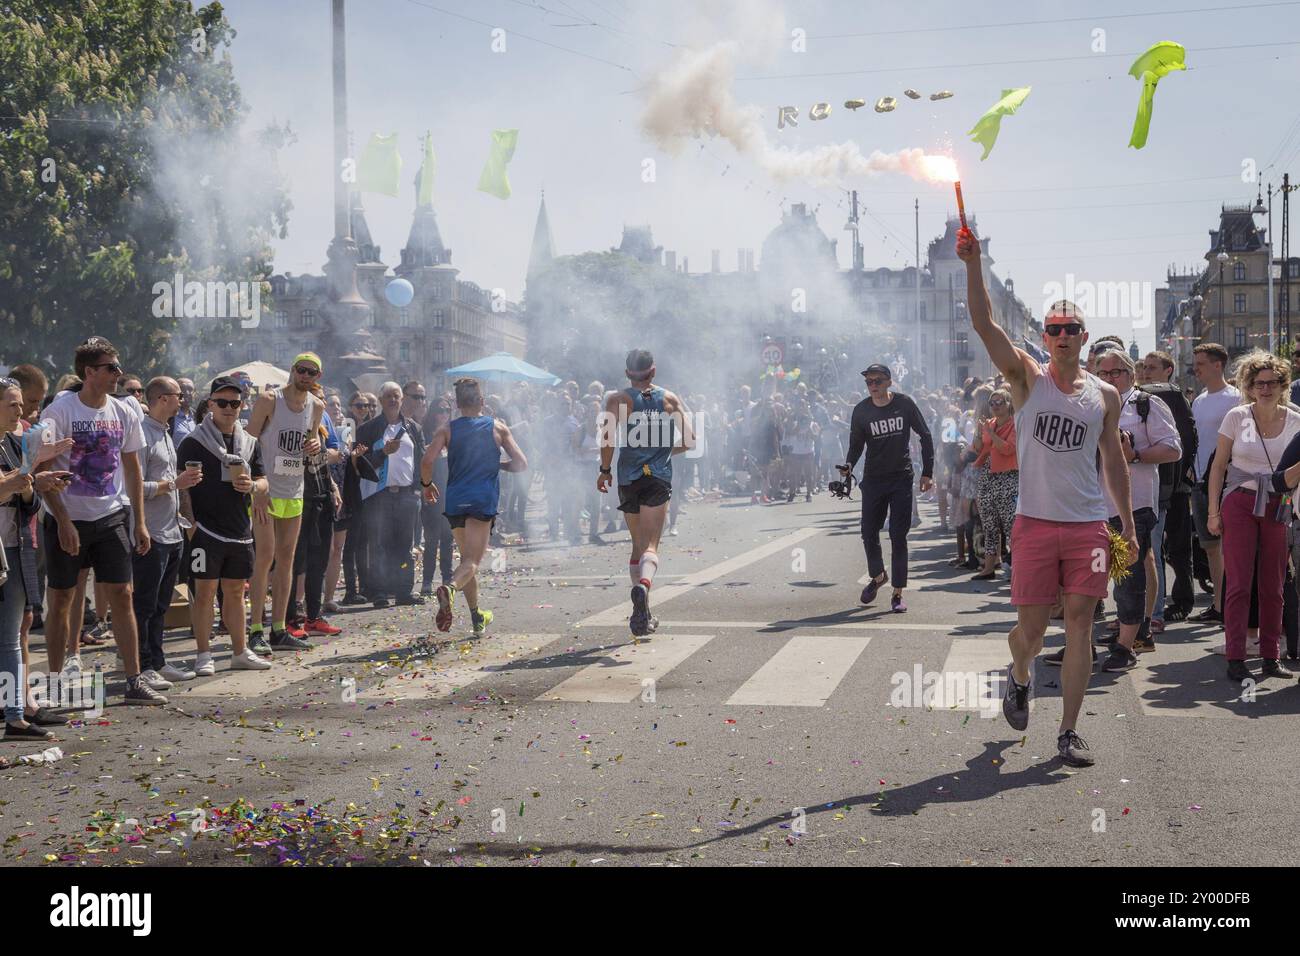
{"points": [[154, 572]]}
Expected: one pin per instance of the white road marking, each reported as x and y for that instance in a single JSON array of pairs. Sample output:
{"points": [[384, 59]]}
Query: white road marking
{"points": [[984, 657], [661, 595], [452, 669], [995, 627], [803, 673], [1202, 694], [622, 675]]}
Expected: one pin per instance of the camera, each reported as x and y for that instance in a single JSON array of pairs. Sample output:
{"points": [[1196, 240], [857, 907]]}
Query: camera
{"points": [[841, 489]]}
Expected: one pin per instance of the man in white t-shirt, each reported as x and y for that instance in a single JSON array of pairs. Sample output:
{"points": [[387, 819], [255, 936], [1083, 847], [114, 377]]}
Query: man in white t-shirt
{"points": [[1208, 409], [89, 526], [1149, 438]]}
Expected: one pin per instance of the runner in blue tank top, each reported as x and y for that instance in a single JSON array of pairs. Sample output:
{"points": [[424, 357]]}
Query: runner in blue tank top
{"points": [[474, 442], [649, 424]]}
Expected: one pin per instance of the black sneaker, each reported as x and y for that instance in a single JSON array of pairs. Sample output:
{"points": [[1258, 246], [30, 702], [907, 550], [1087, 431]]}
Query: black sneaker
{"points": [[1176, 614], [1275, 668], [1211, 615], [1070, 746], [1057, 658], [872, 589], [138, 692], [257, 644], [380, 602], [351, 600], [407, 600], [1239, 672], [1144, 643], [1120, 658], [639, 622], [1206, 585], [285, 641], [1015, 702]]}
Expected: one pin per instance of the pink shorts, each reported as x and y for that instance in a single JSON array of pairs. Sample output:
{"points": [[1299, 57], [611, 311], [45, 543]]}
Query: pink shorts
{"points": [[1048, 557]]}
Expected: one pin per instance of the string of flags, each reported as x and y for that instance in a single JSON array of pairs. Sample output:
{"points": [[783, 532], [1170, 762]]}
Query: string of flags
{"points": [[379, 167], [1153, 65]]}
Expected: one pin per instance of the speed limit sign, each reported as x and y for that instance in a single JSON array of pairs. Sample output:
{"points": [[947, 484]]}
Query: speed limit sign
{"points": [[772, 354]]}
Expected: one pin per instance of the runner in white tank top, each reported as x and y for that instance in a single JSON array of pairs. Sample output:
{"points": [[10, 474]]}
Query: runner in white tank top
{"points": [[282, 423], [1059, 544]]}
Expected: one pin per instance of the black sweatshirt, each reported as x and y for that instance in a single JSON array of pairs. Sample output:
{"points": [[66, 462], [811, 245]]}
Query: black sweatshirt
{"points": [[1289, 458], [885, 433]]}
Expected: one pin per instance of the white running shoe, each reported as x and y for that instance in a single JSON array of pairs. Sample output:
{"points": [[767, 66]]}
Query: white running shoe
{"points": [[154, 681], [248, 661], [204, 666], [72, 667], [174, 673]]}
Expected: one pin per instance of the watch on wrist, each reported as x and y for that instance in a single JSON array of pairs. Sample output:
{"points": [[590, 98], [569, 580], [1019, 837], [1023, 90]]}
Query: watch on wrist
{"points": [[605, 471], [425, 484]]}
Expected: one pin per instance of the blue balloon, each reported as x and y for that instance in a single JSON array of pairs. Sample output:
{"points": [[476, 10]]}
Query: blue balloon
{"points": [[399, 293]]}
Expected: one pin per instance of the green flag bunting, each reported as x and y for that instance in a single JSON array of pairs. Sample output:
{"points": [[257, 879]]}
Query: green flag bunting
{"points": [[1152, 66], [493, 179], [986, 129], [380, 168]]}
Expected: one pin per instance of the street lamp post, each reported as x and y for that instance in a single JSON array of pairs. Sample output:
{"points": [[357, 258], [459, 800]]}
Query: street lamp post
{"points": [[1222, 257], [1260, 210]]}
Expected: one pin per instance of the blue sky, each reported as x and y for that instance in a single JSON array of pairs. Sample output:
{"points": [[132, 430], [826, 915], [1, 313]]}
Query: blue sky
{"points": [[1061, 193]]}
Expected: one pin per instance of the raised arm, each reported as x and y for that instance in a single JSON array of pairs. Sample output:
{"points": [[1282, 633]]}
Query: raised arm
{"points": [[1018, 367], [1115, 468]]}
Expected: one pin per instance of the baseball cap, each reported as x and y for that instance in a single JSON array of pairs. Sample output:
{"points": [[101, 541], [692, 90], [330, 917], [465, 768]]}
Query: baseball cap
{"points": [[226, 381], [883, 369]]}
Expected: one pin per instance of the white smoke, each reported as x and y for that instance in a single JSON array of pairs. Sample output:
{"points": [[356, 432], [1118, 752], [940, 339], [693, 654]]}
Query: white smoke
{"points": [[692, 99]]}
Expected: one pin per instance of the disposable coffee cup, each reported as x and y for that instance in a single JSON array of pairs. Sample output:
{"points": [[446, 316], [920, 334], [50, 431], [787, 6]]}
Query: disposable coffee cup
{"points": [[235, 465]]}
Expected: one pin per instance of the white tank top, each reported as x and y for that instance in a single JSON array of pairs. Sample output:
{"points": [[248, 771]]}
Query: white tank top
{"points": [[282, 442], [1056, 448]]}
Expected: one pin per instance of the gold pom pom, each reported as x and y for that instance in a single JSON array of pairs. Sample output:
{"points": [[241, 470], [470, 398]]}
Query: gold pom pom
{"points": [[1119, 556]]}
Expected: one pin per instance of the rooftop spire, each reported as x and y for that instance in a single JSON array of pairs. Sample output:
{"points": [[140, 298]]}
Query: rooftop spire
{"points": [[543, 251]]}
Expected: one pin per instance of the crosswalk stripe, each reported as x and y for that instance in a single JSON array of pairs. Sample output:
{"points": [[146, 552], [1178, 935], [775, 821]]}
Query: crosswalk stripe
{"points": [[980, 656], [450, 670], [993, 627], [803, 673], [1199, 688], [620, 676], [662, 594]]}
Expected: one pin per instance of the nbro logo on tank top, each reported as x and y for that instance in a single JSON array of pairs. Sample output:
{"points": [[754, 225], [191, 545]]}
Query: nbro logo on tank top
{"points": [[291, 441], [1059, 432]]}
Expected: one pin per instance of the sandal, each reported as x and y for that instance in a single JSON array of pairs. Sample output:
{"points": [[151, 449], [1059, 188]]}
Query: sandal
{"points": [[88, 639], [1157, 626], [30, 732]]}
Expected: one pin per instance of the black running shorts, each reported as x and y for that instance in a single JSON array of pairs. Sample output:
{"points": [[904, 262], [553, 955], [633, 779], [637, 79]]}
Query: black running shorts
{"points": [[458, 521], [647, 491]]}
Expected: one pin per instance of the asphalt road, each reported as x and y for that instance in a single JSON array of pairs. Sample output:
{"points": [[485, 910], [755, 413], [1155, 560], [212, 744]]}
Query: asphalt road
{"points": [[771, 720]]}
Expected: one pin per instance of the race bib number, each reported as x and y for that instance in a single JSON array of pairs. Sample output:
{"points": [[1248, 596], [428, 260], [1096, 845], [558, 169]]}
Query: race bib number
{"points": [[288, 467]]}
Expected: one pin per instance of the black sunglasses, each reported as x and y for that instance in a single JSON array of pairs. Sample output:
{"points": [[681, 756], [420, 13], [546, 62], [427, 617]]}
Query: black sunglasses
{"points": [[1069, 328], [112, 365], [306, 370], [227, 402], [418, 398], [877, 381]]}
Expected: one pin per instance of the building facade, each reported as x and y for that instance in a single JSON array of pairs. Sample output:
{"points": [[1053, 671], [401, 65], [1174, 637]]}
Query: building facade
{"points": [[448, 322]]}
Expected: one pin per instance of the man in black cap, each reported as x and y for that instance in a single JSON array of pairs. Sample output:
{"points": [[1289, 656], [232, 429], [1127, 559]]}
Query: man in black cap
{"points": [[882, 423]]}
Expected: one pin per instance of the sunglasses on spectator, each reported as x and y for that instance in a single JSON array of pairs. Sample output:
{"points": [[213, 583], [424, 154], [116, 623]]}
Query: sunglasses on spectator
{"points": [[227, 402], [997, 401], [1069, 328], [877, 381], [109, 365], [138, 390], [306, 370], [418, 398]]}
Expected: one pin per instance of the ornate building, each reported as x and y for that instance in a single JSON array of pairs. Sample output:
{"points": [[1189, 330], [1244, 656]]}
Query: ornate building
{"points": [[449, 321]]}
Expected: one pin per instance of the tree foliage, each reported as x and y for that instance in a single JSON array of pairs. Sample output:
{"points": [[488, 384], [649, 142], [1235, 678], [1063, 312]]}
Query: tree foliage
{"points": [[120, 124]]}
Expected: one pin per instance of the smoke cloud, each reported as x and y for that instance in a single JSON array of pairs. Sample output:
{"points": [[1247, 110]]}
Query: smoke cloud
{"points": [[692, 99]]}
